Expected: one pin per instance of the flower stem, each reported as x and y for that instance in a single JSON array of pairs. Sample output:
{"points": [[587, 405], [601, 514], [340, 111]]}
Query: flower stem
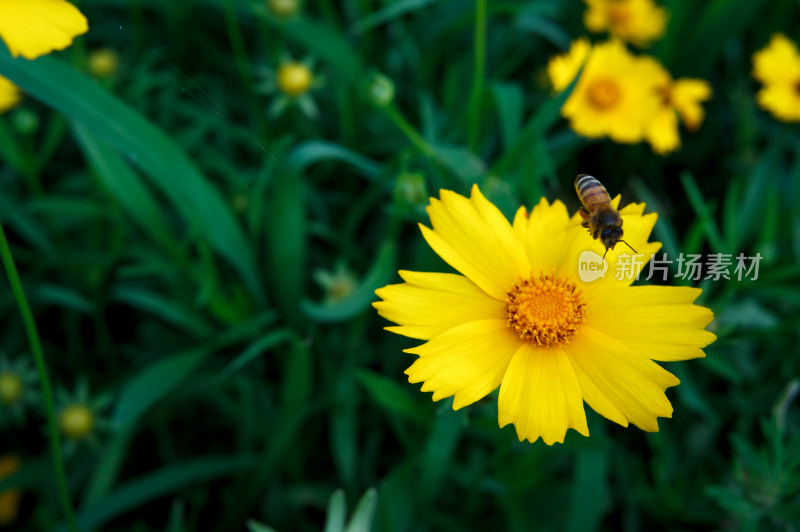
{"points": [[412, 134], [476, 96], [44, 379]]}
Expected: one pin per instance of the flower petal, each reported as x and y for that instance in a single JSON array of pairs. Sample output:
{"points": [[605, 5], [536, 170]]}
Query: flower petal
{"points": [[687, 94], [782, 100], [617, 383], [467, 362], [662, 131], [778, 62], [658, 321], [474, 237], [541, 396], [562, 69], [10, 94], [428, 304], [35, 27]]}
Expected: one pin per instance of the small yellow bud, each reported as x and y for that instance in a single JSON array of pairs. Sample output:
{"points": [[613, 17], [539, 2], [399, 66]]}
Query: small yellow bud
{"points": [[337, 284], [410, 189], [11, 387], [103, 62], [380, 89], [76, 421], [294, 78], [283, 8]]}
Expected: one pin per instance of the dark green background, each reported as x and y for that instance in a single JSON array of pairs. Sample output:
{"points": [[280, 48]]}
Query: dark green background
{"points": [[167, 231]]}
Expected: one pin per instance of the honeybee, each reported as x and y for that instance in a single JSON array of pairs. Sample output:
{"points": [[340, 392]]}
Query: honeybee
{"points": [[602, 220]]}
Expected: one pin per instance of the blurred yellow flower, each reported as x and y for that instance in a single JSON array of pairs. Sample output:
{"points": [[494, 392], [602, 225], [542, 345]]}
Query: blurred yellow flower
{"points": [[615, 95], [294, 78], [10, 94], [9, 499], [681, 97], [76, 421], [777, 66], [635, 21], [519, 317], [11, 387], [283, 8], [31, 28], [103, 62]]}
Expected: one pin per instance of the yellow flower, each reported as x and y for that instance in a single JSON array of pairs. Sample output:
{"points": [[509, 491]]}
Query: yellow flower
{"points": [[76, 421], [10, 94], [103, 62], [635, 21], [9, 499], [778, 67], [681, 97], [520, 317], [294, 78], [615, 95], [31, 28]]}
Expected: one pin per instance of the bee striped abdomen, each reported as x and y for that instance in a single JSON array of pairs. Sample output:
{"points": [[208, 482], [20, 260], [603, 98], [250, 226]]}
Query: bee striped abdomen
{"points": [[591, 192]]}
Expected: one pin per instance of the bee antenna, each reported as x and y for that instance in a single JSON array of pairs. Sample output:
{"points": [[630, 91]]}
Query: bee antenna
{"points": [[628, 246], [604, 254]]}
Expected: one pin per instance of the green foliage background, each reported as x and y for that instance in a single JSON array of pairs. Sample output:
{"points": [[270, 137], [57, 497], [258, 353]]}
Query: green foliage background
{"points": [[167, 231]]}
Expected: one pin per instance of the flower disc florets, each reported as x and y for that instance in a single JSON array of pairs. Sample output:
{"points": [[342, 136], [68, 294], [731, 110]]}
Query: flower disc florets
{"points": [[544, 310]]}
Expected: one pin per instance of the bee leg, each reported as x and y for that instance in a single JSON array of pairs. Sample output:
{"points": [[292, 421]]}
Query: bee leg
{"points": [[585, 215]]}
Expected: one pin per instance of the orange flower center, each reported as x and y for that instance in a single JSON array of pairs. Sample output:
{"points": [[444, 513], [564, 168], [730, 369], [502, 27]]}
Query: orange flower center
{"points": [[544, 310], [619, 14], [603, 94], [665, 95]]}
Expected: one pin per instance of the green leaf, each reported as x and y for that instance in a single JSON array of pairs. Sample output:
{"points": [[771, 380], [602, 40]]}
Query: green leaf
{"points": [[287, 243], [51, 294], [439, 450], [704, 212], [163, 161], [165, 308], [254, 350], [255, 526], [510, 102], [392, 11], [150, 385], [313, 151], [159, 483], [125, 186], [391, 396], [337, 512], [589, 500], [536, 128], [361, 521]]}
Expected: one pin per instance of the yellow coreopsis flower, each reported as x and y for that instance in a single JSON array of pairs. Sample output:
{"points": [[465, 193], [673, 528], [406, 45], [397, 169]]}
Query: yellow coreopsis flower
{"points": [[678, 98], [10, 95], [777, 66], [520, 318], [615, 95], [635, 21], [31, 28]]}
